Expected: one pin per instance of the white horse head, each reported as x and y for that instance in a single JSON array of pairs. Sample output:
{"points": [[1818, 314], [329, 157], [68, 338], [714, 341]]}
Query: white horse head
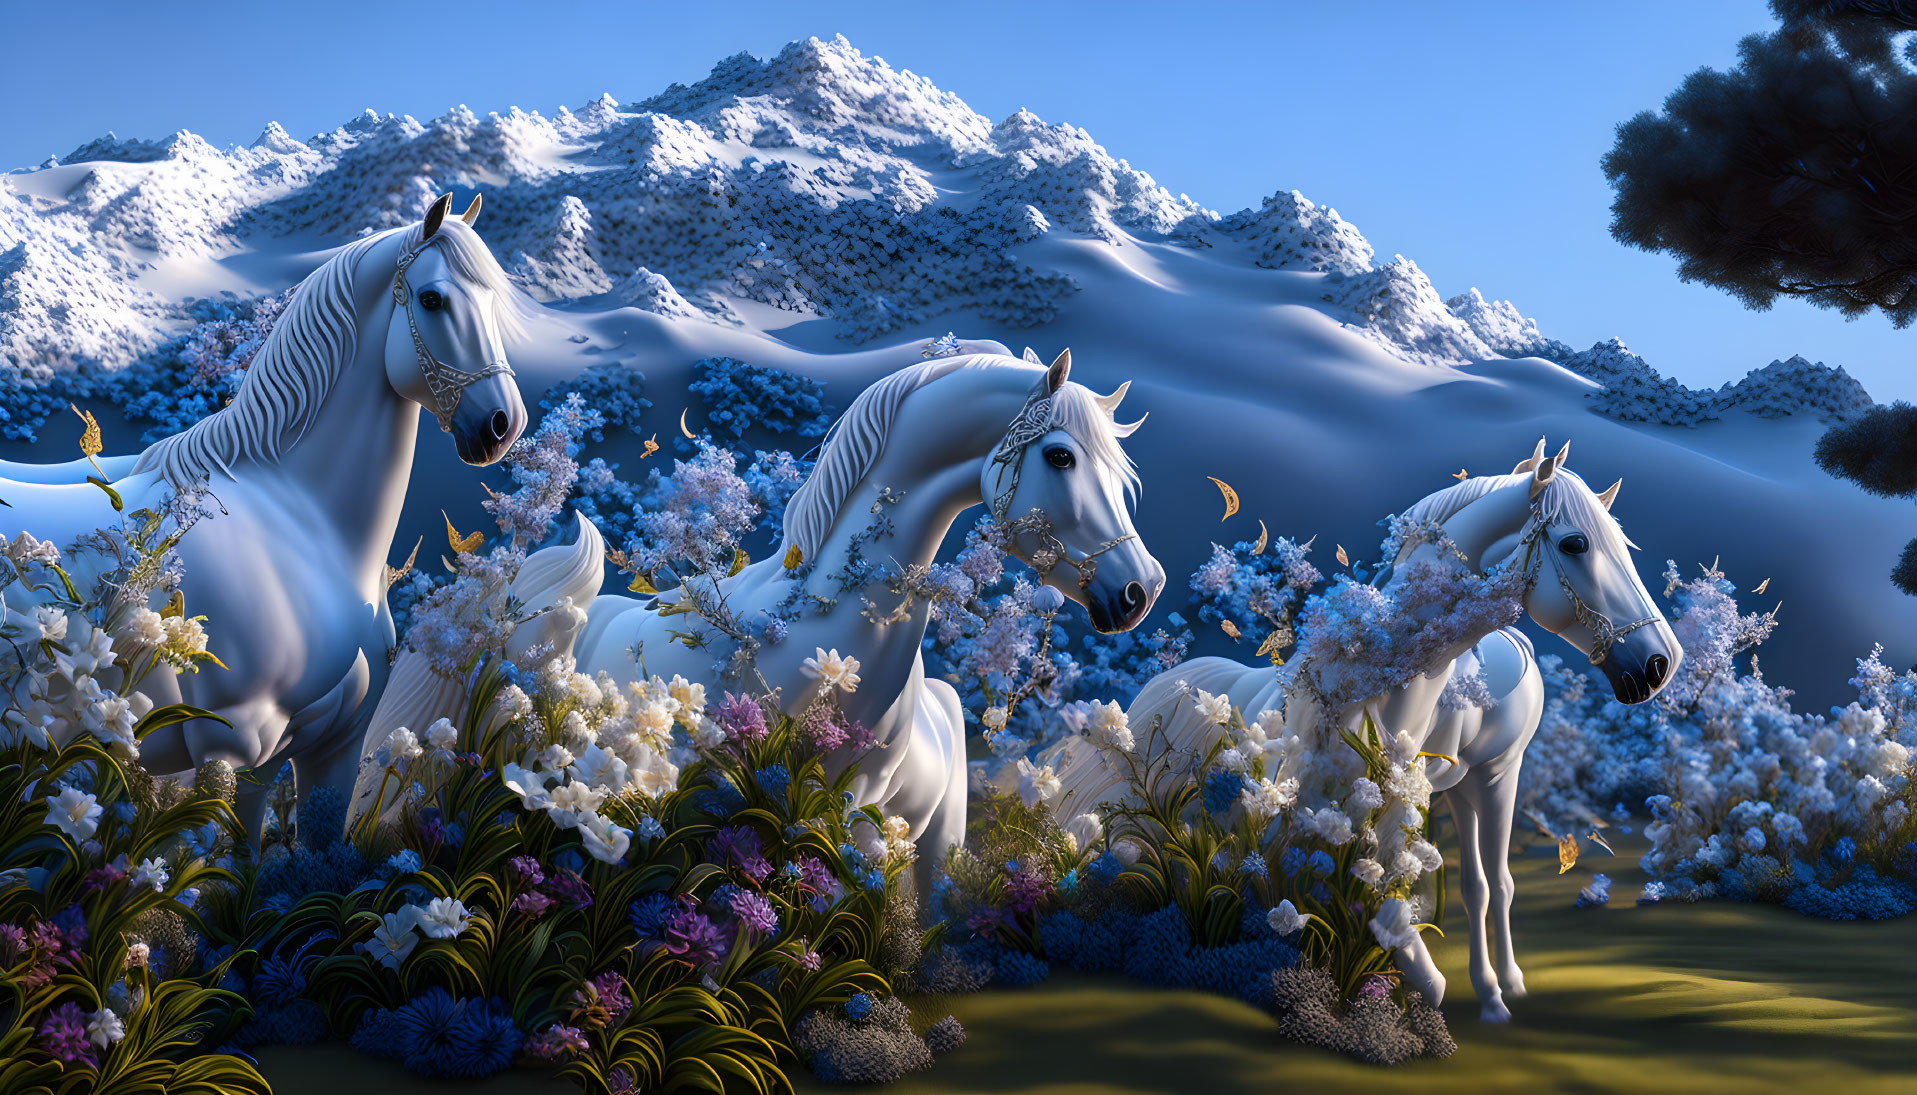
{"points": [[444, 346], [1062, 483], [1583, 587]]}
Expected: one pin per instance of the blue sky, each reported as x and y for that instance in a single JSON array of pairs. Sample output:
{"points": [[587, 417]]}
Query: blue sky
{"points": [[1464, 135]]}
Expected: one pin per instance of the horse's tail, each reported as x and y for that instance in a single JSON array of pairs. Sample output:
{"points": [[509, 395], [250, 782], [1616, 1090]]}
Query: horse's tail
{"points": [[416, 696], [1088, 775]]}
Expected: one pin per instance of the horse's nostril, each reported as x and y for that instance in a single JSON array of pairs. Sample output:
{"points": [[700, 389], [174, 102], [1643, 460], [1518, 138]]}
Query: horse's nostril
{"points": [[1656, 668], [499, 423], [1134, 595]]}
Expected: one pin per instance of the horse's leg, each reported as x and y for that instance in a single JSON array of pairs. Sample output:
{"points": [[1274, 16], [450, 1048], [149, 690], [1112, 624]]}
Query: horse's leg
{"points": [[249, 807], [945, 828], [1466, 811], [1501, 804]]}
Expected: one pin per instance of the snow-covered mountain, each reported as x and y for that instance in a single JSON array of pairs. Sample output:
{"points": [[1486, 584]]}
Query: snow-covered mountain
{"points": [[825, 212]]}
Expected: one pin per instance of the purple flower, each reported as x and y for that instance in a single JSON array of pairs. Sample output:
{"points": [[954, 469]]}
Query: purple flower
{"points": [[814, 875], [692, 937], [739, 846], [1026, 889], [755, 911], [821, 728], [13, 943], [741, 718], [556, 1043], [858, 737], [101, 878], [526, 869], [63, 1034], [532, 903], [611, 990], [568, 889]]}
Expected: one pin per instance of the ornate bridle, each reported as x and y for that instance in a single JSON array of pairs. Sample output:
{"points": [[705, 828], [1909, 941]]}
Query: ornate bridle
{"points": [[1605, 632], [446, 384], [1034, 420]]}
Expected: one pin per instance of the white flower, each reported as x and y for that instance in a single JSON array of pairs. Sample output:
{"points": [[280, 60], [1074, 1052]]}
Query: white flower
{"points": [[690, 697], [708, 735], [1331, 824], [402, 745], [528, 785], [152, 872], [104, 1028], [1076, 715], [1364, 798], [1231, 760], [1427, 854], [1392, 926], [1369, 871], [604, 841], [836, 670], [995, 718], [442, 917], [137, 954], [1036, 784], [1127, 851], [600, 770], [52, 623], [394, 938], [1111, 727], [1286, 919], [652, 720], [555, 758], [1271, 723], [144, 627], [442, 734], [572, 803], [513, 702], [89, 650], [25, 550], [74, 812], [1265, 799], [1085, 829], [1213, 709]]}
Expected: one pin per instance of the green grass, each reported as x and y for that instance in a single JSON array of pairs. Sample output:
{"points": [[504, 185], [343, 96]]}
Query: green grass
{"points": [[1677, 998]]}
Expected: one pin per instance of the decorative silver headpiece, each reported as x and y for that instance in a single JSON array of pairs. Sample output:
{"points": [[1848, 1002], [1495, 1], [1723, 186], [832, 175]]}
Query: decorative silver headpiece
{"points": [[443, 382]]}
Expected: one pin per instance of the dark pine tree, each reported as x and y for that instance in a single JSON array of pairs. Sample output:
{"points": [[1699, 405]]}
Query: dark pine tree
{"points": [[1795, 174]]}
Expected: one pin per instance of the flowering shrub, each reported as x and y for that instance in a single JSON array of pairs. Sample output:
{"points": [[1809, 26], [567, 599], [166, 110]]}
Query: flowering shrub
{"points": [[1749, 798], [104, 872]]}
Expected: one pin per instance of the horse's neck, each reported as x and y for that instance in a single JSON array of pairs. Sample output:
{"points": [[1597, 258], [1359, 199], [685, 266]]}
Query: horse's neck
{"points": [[1485, 532], [354, 458], [933, 460]]}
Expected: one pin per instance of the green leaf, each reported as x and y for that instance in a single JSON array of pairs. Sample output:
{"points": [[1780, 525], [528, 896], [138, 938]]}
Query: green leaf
{"points": [[173, 714]]}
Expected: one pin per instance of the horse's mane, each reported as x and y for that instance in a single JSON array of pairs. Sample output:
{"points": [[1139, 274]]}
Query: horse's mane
{"points": [[311, 344], [857, 440], [1566, 497]]}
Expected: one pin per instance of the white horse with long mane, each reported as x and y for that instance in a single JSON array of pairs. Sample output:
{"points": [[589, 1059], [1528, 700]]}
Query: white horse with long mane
{"points": [[1579, 584], [306, 470], [936, 438]]}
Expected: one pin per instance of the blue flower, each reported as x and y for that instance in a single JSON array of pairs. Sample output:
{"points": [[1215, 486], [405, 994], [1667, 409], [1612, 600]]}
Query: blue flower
{"points": [[1321, 862], [650, 913], [1069, 884], [1222, 789], [405, 861], [859, 1006], [650, 828], [873, 879], [774, 779]]}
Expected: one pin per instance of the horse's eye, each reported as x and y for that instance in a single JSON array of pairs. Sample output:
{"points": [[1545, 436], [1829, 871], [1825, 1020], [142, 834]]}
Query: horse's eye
{"points": [[430, 300], [1059, 456], [1574, 544]]}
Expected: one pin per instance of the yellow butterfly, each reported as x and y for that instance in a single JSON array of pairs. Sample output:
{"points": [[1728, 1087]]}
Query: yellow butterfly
{"points": [[463, 545]]}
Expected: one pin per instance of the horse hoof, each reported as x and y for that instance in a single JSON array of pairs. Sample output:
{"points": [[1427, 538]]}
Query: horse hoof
{"points": [[1513, 983], [1494, 1011]]}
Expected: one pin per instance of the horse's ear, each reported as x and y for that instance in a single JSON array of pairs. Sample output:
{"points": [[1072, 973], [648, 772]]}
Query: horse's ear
{"points": [[1031, 356], [1060, 372], [1564, 455], [1542, 475], [472, 211], [1537, 457], [1610, 494], [435, 217]]}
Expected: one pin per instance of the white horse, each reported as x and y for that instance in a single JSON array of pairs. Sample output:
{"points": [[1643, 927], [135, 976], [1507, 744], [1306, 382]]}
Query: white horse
{"points": [[941, 436], [306, 471], [1580, 585]]}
